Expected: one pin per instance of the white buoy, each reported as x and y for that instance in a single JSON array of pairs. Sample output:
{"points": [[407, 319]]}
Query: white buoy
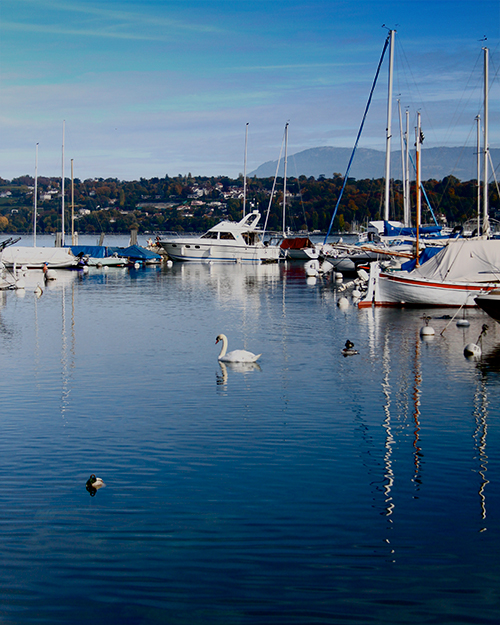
{"points": [[471, 350], [356, 294], [170, 263], [338, 276], [311, 280], [312, 268], [464, 323], [343, 303], [427, 331], [137, 265], [326, 266], [363, 275], [51, 274]]}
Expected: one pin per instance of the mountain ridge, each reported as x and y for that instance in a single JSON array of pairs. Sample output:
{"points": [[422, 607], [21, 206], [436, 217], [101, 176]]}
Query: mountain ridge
{"points": [[437, 163]]}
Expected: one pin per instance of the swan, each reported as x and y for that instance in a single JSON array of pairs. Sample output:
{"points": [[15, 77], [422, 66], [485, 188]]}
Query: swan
{"points": [[238, 355]]}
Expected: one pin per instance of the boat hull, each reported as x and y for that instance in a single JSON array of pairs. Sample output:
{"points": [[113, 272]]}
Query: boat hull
{"points": [[308, 253], [38, 257], [490, 303], [202, 251], [396, 290]]}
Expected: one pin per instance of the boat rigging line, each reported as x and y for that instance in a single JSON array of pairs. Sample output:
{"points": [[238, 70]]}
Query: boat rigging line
{"points": [[386, 44]]}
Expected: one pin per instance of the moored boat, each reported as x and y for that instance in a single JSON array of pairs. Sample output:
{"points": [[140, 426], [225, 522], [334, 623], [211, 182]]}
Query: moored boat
{"points": [[452, 277], [490, 303], [38, 257], [457, 274], [228, 241], [299, 248]]}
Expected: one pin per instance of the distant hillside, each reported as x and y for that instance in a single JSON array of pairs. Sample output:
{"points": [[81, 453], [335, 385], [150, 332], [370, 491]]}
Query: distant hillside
{"points": [[437, 163]]}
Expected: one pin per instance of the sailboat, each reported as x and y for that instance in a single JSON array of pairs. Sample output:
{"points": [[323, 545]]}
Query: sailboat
{"points": [[454, 276], [38, 257], [294, 248]]}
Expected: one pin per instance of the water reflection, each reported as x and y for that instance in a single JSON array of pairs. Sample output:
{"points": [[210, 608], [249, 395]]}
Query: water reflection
{"points": [[479, 436], [490, 362], [236, 367]]}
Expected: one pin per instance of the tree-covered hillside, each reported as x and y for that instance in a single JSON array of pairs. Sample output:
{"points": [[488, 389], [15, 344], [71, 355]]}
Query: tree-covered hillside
{"points": [[193, 204]]}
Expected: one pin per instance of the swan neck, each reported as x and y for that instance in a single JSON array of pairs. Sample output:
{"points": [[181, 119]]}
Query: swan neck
{"points": [[224, 346]]}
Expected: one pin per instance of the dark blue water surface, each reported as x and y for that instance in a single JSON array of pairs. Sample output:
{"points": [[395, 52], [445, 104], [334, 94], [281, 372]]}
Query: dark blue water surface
{"points": [[310, 489]]}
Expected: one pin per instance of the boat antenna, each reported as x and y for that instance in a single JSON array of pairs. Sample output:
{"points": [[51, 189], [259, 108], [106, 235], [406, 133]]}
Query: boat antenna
{"points": [[358, 137]]}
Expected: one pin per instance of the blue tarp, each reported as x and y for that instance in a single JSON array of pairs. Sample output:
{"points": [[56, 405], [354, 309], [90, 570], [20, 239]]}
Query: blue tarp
{"points": [[135, 252], [428, 253], [393, 231], [96, 251]]}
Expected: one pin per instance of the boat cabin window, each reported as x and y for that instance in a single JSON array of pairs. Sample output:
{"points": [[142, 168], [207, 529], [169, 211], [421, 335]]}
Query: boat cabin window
{"points": [[209, 235], [227, 235], [251, 238]]}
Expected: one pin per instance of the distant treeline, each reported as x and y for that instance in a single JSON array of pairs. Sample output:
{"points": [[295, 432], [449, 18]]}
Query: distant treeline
{"points": [[193, 204]]}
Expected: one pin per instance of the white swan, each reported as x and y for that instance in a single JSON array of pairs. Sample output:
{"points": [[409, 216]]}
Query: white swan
{"points": [[238, 355]]}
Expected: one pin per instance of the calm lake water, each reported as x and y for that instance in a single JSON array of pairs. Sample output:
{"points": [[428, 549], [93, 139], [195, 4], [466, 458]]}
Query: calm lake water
{"points": [[310, 489]]}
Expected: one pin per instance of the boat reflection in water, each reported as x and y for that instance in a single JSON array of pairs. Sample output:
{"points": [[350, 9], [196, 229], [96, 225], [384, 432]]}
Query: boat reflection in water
{"points": [[408, 378]]}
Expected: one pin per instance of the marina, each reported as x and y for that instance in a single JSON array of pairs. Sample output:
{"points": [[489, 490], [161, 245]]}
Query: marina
{"points": [[311, 486]]}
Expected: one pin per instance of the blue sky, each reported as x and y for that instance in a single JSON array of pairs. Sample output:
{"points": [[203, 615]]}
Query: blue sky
{"points": [[154, 87]]}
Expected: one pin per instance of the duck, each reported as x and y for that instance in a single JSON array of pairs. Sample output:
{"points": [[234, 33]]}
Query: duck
{"points": [[238, 355], [94, 482], [348, 349]]}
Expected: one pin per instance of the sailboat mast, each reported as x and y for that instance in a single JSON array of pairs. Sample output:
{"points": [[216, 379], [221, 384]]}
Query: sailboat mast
{"points": [[35, 205], [407, 169], [419, 196], [245, 173], [62, 190], [478, 122], [403, 139], [284, 176], [73, 242], [486, 223], [388, 129]]}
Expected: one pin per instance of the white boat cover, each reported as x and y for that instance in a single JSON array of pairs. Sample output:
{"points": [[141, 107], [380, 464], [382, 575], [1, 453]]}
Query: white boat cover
{"points": [[463, 261], [38, 256]]}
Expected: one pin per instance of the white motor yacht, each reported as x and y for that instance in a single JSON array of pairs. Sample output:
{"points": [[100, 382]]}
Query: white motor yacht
{"points": [[228, 241]]}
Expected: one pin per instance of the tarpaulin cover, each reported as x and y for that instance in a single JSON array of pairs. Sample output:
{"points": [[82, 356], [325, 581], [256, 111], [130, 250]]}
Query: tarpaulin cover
{"points": [[135, 252], [297, 243]]}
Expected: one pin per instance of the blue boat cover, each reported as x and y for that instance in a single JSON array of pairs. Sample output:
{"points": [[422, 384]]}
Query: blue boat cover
{"points": [[135, 252], [427, 253], [96, 251], [393, 231]]}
